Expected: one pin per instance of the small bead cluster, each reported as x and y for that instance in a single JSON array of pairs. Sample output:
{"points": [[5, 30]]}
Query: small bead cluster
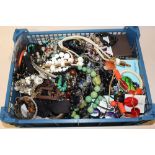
{"points": [[61, 62], [59, 84]]}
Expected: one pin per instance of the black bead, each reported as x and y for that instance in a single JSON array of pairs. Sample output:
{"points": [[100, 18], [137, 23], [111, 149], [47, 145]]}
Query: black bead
{"points": [[119, 97]]}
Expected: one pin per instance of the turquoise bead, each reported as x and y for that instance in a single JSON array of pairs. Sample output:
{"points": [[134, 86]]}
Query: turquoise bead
{"points": [[88, 99], [88, 70], [84, 69], [79, 67], [94, 95], [93, 73], [97, 88], [90, 110]]}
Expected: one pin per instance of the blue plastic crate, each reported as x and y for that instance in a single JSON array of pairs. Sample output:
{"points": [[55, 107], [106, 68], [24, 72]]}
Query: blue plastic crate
{"points": [[23, 36]]}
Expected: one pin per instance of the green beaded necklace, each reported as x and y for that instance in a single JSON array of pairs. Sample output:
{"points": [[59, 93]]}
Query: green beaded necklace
{"points": [[94, 98]]}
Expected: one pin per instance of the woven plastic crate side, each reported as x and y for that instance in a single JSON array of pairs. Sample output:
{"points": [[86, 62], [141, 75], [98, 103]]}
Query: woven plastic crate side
{"points": [[17, 33], [145, 78]]}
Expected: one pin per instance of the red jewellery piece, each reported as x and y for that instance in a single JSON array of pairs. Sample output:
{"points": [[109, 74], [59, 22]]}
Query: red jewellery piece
{"points": [[131, 102], [135, 112], [21, 58]]}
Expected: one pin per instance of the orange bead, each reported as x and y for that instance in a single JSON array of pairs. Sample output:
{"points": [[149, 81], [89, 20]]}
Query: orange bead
{"points": [[117, 74], [121, 107], [113, 103], [109, 65], [139, 91]]}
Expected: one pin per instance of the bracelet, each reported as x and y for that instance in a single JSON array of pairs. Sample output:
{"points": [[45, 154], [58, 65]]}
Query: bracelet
{"points": [[135, 74]]}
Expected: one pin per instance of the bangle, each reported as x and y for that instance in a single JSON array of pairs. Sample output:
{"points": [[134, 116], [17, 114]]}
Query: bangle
{"points": [[135, 74]]}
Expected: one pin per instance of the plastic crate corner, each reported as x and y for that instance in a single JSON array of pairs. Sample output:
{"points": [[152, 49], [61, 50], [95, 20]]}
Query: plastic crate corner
{"points": [[17, 33], [4, 116], [134, 30]]}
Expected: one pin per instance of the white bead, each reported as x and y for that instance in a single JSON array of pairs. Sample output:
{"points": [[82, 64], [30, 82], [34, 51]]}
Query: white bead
{"points": [[59, 69], [56, 62], [47, 70], [27, 80], [66, 56], [53, 59], [38, 80], [56, 70], [32, 77], [80, 64], [71, 60], [64, 69], [43, 48], [16, 88], [53, 62], [56, 56], [62, 59], [80, 59], [48, 62], [59, 60], [28, 91], [52, 68], [118, 61], [62, 63], [61, 54]]}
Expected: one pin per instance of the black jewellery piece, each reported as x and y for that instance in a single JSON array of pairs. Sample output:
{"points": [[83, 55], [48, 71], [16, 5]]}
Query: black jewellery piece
{"points": [[76, 45], [48, 108], [113, 39]]}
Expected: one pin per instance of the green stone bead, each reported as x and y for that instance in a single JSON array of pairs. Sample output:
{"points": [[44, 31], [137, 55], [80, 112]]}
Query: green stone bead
{"points": [[93, 73], [84, 69], [97, 88], [95, 106], [97, 101], [97, 80], [90, 110], [83, 104], [79, 67], [77, 109], [94, 95], [100, 98], [73, 114], [88, 99], [76, 117], [88, 70]]}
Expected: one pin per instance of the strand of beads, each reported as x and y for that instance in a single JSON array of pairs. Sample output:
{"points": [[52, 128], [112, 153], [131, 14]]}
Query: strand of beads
{"points": [[59, 85], [94, 98]]}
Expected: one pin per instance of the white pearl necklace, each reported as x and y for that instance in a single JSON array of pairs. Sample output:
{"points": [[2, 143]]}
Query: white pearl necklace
{"points": [[59, 62]]}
